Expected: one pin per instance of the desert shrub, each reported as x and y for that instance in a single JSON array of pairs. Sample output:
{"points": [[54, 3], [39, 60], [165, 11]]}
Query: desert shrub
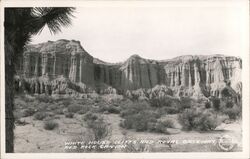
{"points": [[151, 126], [142, 117], [230, 108], [58, 111], [138, 147], [138, 116], [89, 117], [113, 110], [229, 104], [207, 105], [185, 102], [84, 109], [99, 128], [57, 117], [200, 101], [207, 121], [50, 125], [233, 112], [160, 127], [54, 106], [19, 102], [40, 115], [66, 102], [139, 122], [216, 104], [226, 93], [69, 115], [28, 112], [160, 102], [74, 108], [21, 122], [97, 99], [26, 98], [168, 110], [168, 123], [196, 119], [110, 109], [45, 99], [17, 114], [41, 106], [62, 100], [134, 108]]}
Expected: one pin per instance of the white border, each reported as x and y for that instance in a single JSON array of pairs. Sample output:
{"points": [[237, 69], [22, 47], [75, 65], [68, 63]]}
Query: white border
{"points": [[77, 3]]}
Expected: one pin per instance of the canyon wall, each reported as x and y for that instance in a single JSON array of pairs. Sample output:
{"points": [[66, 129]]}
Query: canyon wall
{"points": [[198, 76], [55, 59]]}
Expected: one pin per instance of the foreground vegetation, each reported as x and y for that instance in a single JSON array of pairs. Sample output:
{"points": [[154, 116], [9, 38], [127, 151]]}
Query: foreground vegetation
{"points": [[150, 116]]}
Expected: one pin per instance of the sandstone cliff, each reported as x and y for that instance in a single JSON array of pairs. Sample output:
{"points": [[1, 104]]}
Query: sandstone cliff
{"points": [[63, 64], [54, 59]]}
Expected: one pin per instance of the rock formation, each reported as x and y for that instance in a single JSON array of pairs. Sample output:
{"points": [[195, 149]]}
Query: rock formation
{"points": [[55, 67], [60, 58]]}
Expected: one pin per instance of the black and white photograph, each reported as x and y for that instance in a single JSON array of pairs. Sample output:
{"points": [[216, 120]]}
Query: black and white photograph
{"points": [[125, 77]]}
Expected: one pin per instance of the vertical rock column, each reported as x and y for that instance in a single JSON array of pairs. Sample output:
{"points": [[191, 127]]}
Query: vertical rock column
{"points": [[72, 74], [85, 69], [189, 77], [177, 77], [80, 69], [218, 73], [208, 73], [183, 75], [197, 78], [44, 64], [171, 78], [37, 66], [26, 65], [54, 67]]}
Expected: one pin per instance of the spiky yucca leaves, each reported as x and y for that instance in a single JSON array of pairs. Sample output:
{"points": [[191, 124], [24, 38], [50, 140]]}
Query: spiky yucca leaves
{"points": [[19, 25], [54, 18]]}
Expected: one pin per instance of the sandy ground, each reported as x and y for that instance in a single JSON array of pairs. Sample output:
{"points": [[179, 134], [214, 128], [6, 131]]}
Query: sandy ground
{"points": [[32, 137]]}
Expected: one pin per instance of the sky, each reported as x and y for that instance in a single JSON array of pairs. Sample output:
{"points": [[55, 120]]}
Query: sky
{"points": [[114, 33]]}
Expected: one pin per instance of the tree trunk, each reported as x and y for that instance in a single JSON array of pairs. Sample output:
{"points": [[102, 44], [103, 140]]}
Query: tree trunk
{"points": [[9, 103]]}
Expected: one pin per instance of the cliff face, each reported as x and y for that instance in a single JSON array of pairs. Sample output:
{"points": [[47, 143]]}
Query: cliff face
{"points": [[198, 76], [55, 59]]}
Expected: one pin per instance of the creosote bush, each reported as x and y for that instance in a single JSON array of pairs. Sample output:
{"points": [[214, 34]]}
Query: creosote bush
{"points": [[28, 112], [110, 109], [197, 119], [69, 115], [139, 116], [45, 99], [40, 115], [89, 117], [207, 105], [185, 103], [233, 113], [74, 108], [50, 125], [161, 102], [84, 110], [168, 123], [160, 127], [216, 103], [99, 129], [228, 107]]}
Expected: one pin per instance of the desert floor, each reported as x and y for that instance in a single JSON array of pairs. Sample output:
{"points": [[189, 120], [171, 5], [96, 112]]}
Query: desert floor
{"points": [[32, 137]]}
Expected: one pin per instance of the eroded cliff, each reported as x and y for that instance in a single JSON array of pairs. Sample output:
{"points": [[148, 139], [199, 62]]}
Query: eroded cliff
{"points": [[54, 67]]}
